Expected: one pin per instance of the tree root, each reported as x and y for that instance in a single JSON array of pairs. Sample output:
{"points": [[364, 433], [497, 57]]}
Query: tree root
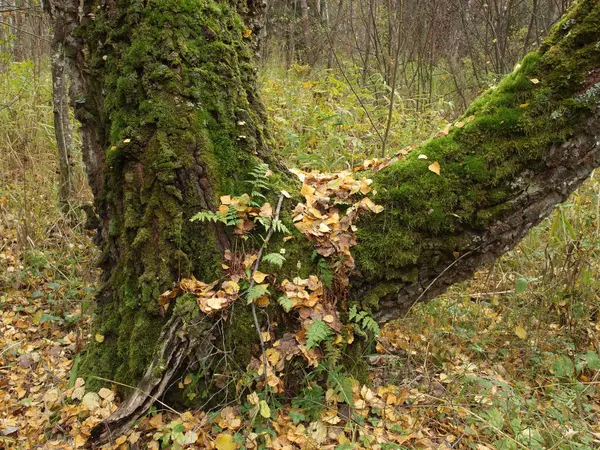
{"points": [[178, 341]]}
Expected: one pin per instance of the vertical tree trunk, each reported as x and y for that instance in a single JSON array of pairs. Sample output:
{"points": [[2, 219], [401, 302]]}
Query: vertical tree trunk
{"points": [[172, 120], [306, 56], [62, 125]]}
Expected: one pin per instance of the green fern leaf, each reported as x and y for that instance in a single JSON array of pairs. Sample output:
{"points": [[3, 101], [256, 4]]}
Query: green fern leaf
{"points": [[275, 259], [285, 303], [317, 332], [255, 292]]}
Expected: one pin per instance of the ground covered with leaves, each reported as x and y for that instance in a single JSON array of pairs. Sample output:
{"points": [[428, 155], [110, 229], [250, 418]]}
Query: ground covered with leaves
{"points": [[509, 360]]}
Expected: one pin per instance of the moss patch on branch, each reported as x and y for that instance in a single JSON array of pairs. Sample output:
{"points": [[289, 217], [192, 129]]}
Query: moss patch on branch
{"points": [[501, 139]]}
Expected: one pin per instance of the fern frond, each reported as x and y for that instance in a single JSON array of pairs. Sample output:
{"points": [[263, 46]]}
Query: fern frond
{"points": [[255, 292], [317, 332], [275, 259]]}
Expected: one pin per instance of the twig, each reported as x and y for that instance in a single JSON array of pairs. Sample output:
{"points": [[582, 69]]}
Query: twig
{"points": [[24, 31], [438, 277], [337, 61], [256, 264]]}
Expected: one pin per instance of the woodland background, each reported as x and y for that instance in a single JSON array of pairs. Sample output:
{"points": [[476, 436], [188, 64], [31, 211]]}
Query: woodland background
{"points": [[508, 360]]}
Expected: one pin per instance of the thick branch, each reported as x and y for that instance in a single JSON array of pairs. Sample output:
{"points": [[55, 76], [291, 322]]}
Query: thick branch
{"points": [[519, 150]]}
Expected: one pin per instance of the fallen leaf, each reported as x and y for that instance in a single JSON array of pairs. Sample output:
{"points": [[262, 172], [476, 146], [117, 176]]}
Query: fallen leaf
{"points": [[259, 277], [521, 332], [265, 411], [91, 400], [434, 167], [224, 441]]}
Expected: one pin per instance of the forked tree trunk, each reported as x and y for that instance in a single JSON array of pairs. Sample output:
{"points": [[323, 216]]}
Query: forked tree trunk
{"points": [[172, 121]]}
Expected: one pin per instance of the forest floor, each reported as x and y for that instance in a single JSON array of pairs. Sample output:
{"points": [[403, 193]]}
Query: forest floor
{"points": [[509, 360]]}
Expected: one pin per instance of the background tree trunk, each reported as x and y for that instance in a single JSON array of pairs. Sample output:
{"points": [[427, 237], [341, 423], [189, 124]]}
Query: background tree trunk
{"points": [[172, 120]]}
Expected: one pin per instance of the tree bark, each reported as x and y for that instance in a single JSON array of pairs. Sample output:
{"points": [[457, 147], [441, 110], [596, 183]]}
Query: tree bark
{"points": [[62, 127], [172, 120]]}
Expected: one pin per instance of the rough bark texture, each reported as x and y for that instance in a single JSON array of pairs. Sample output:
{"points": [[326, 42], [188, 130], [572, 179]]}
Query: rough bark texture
{"points": [[174, 122], [61, 111], [171, 121]]}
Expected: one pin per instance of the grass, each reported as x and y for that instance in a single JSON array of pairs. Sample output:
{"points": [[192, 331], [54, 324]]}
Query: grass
{"points": [[320, 121], [39, 243]]}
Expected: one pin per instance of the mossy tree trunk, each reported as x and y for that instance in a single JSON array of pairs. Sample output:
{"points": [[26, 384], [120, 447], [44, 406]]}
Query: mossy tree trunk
{"points": [[172, 120]]}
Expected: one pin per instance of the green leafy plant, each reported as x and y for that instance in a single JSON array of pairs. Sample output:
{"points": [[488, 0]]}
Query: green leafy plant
{"points": [[317, 332], [364, 321], [275, 259]]}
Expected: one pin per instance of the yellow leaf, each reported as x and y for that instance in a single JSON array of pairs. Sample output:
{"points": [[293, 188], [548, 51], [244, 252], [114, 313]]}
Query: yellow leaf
{"points": [[226, 200], [521, 332], [253, 398], [259, 277], [435, 167], [99, 337], [273, 356], [80, 441], [214, 303], [324, 228], [249, 259], [534, 80], [127, 141], [157, 421], [307, 190], [37, 316], [134, 437], [459, 124], [265, 411], [230, 287], [224, 441], [523, 105], [247, 33], [263, 301]]}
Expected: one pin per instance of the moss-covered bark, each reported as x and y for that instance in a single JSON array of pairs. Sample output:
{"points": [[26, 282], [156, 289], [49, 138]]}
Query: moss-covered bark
{"points": [[509, 160], [179, 124]]}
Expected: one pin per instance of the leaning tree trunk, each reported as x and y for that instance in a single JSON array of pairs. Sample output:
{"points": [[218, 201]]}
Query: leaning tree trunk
{"points": [[172, 121]]}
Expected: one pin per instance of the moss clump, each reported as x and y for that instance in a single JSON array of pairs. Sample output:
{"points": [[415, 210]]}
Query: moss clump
{"points": [[505, 135]]}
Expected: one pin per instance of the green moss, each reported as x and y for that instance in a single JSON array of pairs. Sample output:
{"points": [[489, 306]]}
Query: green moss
{"points": [[505, 133], [177, 78]]}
